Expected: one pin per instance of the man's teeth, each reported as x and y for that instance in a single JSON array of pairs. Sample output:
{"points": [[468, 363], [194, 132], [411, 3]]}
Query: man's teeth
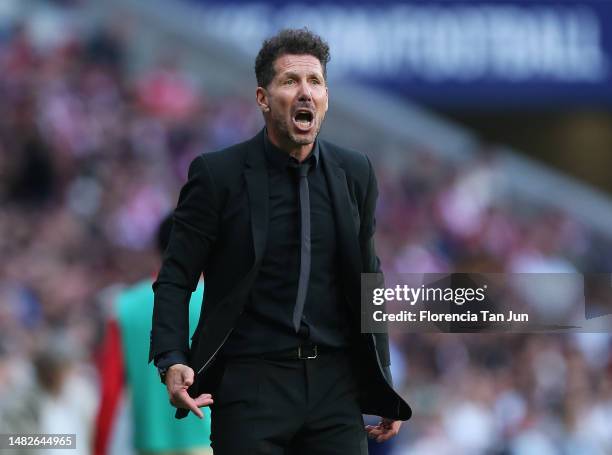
{"points": [[303, 122]]}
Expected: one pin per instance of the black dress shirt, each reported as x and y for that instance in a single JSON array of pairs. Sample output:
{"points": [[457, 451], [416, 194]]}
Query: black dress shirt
{"points": [[266, 324]]}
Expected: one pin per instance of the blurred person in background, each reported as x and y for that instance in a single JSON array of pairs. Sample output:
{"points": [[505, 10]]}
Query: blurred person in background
{"points": [[282, 227], [123, 371], [60, 400]]}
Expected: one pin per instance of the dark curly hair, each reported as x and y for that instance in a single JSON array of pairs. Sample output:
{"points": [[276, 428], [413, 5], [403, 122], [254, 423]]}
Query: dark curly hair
{"points": [[289, 41]]}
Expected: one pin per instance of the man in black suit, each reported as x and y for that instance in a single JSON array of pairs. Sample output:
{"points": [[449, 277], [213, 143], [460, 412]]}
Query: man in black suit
{"points": [[282, 226]]}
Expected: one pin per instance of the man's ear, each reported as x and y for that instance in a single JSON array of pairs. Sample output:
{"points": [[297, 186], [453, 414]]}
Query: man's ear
{"points": [[262, 99]]}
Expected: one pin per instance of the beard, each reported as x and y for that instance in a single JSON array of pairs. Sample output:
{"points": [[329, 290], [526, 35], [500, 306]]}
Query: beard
{"points": [[280, 123]]}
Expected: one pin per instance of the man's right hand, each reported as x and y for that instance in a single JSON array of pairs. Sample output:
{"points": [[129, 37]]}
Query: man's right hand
{"points": [[178, 379]]}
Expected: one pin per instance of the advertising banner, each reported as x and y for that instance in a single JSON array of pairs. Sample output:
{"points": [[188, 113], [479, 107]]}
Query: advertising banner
{"points": [[469, 53]]}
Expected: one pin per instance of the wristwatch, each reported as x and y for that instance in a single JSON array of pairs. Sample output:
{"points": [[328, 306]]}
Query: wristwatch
{"points": [[162, 373], [166, 360]]}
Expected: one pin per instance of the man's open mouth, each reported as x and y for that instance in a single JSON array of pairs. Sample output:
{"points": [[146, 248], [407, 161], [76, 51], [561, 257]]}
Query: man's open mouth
{"points": [[303, 119]]}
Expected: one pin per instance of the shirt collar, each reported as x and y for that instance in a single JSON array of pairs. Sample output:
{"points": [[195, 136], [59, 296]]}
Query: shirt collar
{"points": [[281, 159]]}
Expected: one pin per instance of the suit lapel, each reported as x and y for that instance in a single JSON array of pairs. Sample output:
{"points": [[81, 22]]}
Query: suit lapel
{"points": [[340, 197], [256, 175]]}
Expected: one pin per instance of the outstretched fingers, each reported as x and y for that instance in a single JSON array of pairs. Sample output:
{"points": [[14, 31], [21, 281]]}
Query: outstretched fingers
{"points": [[178, 380], [185, 401], [384, 431]]}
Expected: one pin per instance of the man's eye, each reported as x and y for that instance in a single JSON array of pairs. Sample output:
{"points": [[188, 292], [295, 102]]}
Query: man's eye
{"points": [[289, 82], [315, 81]]}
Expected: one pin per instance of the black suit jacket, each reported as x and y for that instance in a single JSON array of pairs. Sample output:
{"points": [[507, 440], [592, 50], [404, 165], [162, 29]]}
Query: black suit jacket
{"points": [[220, 228]]}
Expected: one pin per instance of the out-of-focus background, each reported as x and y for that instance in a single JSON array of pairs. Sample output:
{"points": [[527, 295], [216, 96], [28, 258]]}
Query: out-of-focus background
{"points": [[489, 124]]}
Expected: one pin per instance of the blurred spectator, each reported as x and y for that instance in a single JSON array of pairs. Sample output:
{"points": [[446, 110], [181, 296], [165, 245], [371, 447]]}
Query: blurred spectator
{"points": [[61, 399], [127, 376], [168, 93]]}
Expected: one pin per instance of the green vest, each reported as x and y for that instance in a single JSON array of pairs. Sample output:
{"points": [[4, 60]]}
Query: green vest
{"points": [[155, 427]]}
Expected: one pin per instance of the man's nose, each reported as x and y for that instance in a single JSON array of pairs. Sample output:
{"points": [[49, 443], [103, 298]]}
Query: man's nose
{"points": [[304, 93]]}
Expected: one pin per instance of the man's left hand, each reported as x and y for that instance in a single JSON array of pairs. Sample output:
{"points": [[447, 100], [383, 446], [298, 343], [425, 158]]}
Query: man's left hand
{"points": [[384, 431]]}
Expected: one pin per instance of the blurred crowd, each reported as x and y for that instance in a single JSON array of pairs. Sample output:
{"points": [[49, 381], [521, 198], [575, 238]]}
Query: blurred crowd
{"points": [[91, 159], [494, 393]]}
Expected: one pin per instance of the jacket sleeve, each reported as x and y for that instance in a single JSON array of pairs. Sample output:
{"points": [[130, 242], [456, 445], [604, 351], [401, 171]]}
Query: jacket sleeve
{"points": [[371, 262], [194, 231]]}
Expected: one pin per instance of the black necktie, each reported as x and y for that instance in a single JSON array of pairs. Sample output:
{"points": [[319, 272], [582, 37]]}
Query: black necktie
{"points": [[305, 246]]}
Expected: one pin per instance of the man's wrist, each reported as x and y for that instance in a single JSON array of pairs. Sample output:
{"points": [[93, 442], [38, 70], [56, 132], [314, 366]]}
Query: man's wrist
{"points": [[167, 359]]}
